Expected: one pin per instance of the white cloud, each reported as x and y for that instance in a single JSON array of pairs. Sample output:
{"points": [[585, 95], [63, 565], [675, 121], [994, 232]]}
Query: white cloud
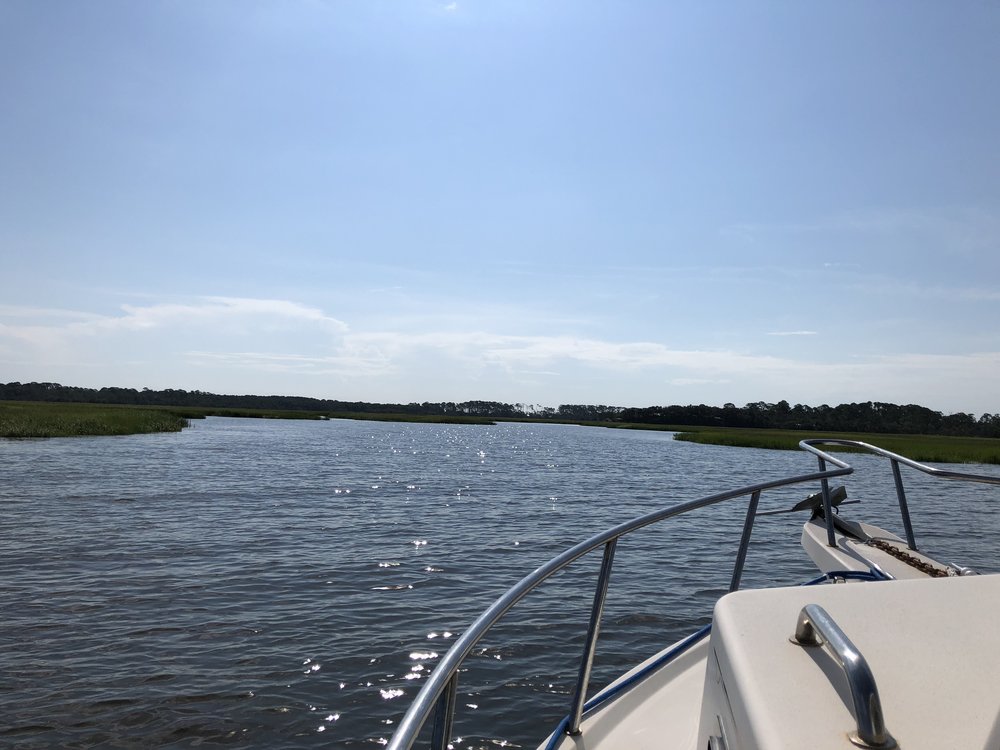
{"points": [[257, 345], [791, 333], [20, 311], [451, 7], [698, 381], [346, 364], [245, 314], [229, 308], [517, 352]]}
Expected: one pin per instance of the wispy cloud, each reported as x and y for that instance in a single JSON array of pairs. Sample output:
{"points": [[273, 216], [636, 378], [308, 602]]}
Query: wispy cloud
{"points": [[35, 313], [699, 381], [250, 345], [46, 326], [533, 352], [855, 237], [345, 364], [970, 223], [220, 307], [451, 7], [885, 286]]}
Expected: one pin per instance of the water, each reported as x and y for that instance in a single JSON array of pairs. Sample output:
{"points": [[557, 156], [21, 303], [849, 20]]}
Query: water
{"points": [[253, 583]]}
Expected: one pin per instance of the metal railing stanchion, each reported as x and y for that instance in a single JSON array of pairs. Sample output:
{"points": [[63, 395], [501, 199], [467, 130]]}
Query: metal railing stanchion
{"points": [[590, 647], [444, 717], [741, 554], [827, 506], [903, 508]]}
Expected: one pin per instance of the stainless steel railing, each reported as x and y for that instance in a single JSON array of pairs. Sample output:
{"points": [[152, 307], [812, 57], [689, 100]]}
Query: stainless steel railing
{"points": [[815, 627], [896, 460], [438, 695]]}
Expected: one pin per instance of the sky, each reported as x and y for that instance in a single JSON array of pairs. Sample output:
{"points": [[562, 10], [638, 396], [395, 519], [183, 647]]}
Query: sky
{"points": [[627, 203]]}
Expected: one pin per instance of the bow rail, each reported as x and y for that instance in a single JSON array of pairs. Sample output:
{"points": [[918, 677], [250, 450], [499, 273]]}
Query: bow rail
{"points": [[896, 460], [439, 692]]}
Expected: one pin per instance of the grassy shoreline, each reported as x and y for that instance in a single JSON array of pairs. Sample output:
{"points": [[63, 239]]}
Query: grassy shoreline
{"points": [[33, 419], [932, 448], [24, 419], [45, 419]]}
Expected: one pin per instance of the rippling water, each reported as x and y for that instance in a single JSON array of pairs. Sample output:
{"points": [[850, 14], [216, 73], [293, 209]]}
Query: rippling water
{"points": [[289, 584]]}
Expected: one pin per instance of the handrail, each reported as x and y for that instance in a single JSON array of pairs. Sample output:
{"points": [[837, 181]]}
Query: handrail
{"points": [[896, 460], [445, 675], [440, 689], [815, 627]]}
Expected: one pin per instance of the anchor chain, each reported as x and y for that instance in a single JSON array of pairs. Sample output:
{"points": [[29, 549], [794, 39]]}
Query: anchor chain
{"points": [[906, 557]]}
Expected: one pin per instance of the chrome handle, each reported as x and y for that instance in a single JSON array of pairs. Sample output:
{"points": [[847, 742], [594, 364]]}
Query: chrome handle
{"points": [[816, 628]]}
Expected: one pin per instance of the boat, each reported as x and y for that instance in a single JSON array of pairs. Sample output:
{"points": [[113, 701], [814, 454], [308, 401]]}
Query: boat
{"points": [[886, 648]]}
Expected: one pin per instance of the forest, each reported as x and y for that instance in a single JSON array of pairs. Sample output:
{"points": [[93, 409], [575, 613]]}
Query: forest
{"points": [[868, 416]]}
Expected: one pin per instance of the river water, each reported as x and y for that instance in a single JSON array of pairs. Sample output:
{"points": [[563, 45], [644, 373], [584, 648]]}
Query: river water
{"points": [[251, 583]]}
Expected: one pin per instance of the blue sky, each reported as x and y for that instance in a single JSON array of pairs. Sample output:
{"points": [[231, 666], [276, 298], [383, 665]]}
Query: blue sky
{"points": [[627, 203]]}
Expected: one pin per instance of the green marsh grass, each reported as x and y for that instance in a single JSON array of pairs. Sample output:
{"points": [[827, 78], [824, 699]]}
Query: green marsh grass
{"points": [[26, 419], [932, 448], [23, 419], [30, 419]]}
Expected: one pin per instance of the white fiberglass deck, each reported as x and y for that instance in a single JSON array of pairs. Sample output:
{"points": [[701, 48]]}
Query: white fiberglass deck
{"points": [[933, 646], [852, 552], [638, 719]]}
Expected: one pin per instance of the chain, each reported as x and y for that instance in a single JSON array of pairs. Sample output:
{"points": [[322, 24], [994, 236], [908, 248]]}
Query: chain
{"points": [[911, 560]]}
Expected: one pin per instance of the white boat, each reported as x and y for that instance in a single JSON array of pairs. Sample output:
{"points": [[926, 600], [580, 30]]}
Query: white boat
{"points": [[905, 654]]}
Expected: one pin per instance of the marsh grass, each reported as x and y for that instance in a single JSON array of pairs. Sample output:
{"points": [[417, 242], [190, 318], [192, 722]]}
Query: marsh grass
{"points": [[23, 419], [28, 419], [933, 448]]}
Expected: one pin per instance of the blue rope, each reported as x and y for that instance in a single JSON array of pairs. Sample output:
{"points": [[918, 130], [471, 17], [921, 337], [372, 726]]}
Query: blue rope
{"points": [[850, 575]]}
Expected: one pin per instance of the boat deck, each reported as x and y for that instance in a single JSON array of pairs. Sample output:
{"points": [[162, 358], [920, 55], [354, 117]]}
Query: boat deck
{"points": [[861, 546], [931, 644], [658, 713]]}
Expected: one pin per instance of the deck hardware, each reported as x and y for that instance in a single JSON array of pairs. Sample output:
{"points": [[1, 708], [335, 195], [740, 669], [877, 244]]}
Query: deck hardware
{"points": [[963, 570], [816, 628], [722, 739]]}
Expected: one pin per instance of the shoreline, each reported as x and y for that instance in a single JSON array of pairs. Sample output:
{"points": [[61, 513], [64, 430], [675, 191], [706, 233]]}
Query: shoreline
{"points": [[39, 419]]}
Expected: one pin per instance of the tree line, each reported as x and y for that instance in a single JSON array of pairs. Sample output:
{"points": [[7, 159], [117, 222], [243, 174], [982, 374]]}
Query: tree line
{"points": [[866, 416]]}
